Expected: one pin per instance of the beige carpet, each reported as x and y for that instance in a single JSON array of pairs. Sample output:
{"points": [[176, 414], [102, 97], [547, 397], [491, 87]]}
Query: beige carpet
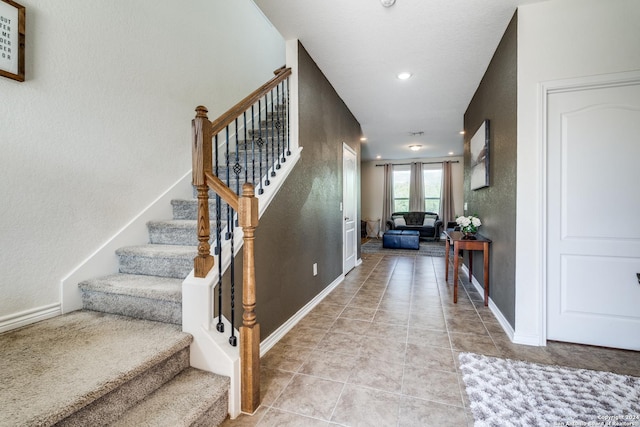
{"points": [[52, 368]]}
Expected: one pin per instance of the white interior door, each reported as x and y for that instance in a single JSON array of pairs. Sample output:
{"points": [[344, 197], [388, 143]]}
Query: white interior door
{"points": [[593, 212], [350, 208]]}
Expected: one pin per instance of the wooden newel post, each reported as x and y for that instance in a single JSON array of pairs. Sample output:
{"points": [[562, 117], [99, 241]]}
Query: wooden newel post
{"points": [[201, 127], [250, 329]]}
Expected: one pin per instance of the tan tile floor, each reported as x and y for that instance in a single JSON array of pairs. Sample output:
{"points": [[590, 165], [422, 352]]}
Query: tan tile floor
{"points": [[382, 348]]}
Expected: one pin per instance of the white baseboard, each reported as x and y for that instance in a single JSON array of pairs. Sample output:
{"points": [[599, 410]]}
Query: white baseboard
{"points": [[104, 260], [27, 317], [504, 323], [277, 335]]}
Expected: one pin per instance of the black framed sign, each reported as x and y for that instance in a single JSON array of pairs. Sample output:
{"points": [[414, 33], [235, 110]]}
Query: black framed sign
{"points": [[12, 40]]}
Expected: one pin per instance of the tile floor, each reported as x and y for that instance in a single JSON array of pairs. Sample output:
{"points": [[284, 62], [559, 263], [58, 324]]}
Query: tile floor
{"points": [[381, 350]]}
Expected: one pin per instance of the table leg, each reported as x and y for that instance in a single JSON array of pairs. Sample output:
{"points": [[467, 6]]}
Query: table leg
{"points": [[447, 245], [456, 262], [470, 266], [486, 274]]}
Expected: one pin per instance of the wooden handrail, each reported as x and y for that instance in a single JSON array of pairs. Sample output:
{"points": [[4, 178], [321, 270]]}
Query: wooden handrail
{"points": [[222, 190], [234, 112]]}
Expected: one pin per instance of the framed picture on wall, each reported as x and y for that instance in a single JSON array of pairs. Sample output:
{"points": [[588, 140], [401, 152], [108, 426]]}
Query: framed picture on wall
{"points": [[479, 163], [12, 40]]}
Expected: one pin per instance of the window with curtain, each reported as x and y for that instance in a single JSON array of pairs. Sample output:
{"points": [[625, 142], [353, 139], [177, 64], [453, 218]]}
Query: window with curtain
{"points": [[432, 183], [401, 183]]}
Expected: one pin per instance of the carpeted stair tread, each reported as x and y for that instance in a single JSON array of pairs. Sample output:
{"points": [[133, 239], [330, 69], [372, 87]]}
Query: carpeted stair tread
{"points": [[188, 208], [54, 368], [177, 232], [143, 297], [193, 397], [152, 287], [157, 260]]}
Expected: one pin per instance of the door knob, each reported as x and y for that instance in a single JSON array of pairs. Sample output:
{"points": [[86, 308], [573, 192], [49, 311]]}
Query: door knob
{"points": [[346, 218]]}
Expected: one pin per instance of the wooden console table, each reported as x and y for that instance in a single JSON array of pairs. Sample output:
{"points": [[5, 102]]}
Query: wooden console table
{"points": [[480, 243]]}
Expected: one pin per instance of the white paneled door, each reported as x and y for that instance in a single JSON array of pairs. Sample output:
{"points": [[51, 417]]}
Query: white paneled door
{"points": [[350, 208], [593, 212]]}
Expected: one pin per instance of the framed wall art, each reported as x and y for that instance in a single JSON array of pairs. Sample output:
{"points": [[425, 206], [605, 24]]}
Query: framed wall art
{"points": [[12, 32], [479, 148]]}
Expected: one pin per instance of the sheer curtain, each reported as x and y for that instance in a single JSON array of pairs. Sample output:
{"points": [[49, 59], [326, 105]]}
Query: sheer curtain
{"points": [[447, 209], [416, 188], [387, 197]]}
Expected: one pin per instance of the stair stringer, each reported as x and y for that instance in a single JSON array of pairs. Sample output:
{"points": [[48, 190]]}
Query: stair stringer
{"points": [[210, 350]]}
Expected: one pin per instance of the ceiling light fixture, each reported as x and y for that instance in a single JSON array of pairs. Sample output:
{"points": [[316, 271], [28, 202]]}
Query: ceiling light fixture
{"points": [[388, 3], [378, 156], [451, 153], [461, 132], [364, 138], [404, 75], [415, 147]]}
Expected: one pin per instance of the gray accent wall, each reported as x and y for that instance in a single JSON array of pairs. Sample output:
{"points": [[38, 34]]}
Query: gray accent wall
{"points": [[496, 100], [303, 224]]}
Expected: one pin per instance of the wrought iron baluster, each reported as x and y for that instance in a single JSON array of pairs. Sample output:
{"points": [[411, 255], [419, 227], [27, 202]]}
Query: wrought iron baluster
{"points": [[287, 120], [227, 235], [232, 339], [218, 248], [253, 145], [246, 150], [266, 129], [278, 126], [237, 170], [273, 137], [260, 143]]}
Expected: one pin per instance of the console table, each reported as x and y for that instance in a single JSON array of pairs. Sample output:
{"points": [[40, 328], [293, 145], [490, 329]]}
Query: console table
{"points": [[459, 242]]}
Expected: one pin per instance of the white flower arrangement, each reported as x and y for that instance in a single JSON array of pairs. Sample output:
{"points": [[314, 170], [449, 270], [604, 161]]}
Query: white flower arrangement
{"points": [[468, 224]]}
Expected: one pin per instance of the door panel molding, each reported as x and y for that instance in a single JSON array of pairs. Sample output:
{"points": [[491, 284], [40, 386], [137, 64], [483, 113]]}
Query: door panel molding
{"points": [[545, 90]]}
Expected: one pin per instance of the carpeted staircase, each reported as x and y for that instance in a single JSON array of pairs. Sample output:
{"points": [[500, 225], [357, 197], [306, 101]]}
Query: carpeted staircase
{"points": [[122, 360]]}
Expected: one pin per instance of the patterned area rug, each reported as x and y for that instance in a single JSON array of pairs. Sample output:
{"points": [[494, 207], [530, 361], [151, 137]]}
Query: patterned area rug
{"points": [[506, 392], [427, 248]]}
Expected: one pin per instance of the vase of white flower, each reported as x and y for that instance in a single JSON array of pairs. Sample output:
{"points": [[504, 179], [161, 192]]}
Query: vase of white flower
{"points": [[469, 225]]}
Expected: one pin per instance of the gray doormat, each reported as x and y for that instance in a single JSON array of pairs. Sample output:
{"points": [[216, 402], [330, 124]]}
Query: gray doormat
{"points": [[506, 392]]}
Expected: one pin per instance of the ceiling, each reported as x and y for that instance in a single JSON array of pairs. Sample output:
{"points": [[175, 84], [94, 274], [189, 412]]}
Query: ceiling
{"points": [[361, 46]]}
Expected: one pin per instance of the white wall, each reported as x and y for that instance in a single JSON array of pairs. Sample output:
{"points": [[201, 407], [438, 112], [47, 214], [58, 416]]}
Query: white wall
{"points": [[101, 126], [373, 182], [557, 40]]}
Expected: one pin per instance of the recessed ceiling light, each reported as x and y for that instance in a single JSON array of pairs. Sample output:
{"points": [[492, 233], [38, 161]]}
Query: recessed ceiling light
{"points": [[387, 3], [378, 156], [451, 153], [364, 138], [461, 132], [404, 75], [415, 147]]}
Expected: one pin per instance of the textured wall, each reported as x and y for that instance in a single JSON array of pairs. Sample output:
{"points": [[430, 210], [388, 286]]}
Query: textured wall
{"points": [[496, 100], [102, 125], [303, 224]]}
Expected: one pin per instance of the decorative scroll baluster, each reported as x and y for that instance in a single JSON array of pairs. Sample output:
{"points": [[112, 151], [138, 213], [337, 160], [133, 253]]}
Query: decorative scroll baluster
{"points": [[253, 145]]}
